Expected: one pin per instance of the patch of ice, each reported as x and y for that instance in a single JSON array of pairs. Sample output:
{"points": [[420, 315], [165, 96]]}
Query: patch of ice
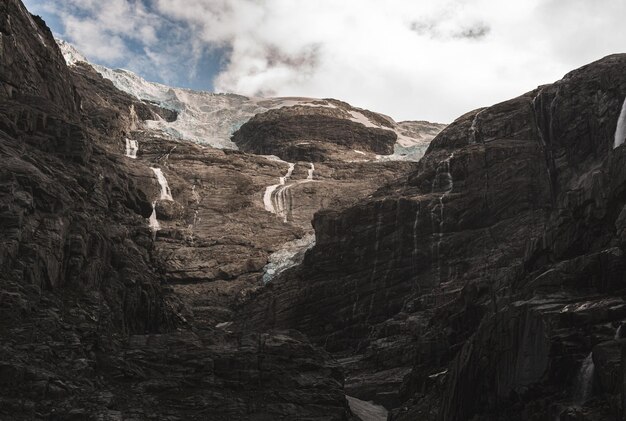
{"points": [[291, 254]]}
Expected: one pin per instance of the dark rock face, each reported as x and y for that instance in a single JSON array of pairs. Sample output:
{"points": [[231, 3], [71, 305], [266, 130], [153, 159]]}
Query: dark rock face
{"points": [[312, 133], [32, 68], [112, 112], [185, 376], [89, 328], [74, 278], [485, 282], [488, 273]]}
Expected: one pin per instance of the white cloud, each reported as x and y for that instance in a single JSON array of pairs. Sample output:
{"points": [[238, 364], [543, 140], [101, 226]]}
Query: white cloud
{"points": [[427, 59]]}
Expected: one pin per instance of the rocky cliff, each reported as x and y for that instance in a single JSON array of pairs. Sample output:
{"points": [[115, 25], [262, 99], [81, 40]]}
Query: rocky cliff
{"points": [[486, 283], [98, 318], [127, 250], [144, 275]]}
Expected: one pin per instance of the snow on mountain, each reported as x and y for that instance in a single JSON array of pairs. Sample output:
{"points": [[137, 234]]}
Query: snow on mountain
{"points": [[70, 54], [211, 118]]}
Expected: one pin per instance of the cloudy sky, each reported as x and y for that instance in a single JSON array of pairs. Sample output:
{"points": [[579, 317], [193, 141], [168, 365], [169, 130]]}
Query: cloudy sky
{"points": [[410, 59]]}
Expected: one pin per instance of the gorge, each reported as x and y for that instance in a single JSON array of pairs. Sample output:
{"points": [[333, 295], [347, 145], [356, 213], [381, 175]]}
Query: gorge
{"points": [[170, 254]]}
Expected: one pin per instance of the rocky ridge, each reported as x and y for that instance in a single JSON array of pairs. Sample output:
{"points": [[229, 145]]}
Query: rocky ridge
{"points": [[128, 251], [210, 119], [485, 284]]}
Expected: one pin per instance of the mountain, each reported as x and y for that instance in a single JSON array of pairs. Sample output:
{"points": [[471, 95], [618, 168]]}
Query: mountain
{"points": [[210, 119], [177, 255], [489, 283]]}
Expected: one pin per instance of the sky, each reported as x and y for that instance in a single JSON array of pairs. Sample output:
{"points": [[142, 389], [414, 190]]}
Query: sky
{"points": [[411, 59]]}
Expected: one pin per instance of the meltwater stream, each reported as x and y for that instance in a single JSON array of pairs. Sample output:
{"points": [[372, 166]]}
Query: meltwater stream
{"points": [[153, 221], [166, 194], [277, 197]]}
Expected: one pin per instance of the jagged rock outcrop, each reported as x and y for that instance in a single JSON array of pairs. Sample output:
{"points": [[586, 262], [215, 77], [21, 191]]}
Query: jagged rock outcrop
{"points": [[111, 106], [483, 272], [31, 68], [316, 132]]}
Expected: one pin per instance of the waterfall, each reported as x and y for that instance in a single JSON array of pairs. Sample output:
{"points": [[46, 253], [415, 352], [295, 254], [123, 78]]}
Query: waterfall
{"points": [[584, 381], [618, 332], [267, 198], [154, 223], [166, 194], [276, 196], [282, 201], [620, 130], [134, 119], [474, 130], [415, 224], [288, 175], [442, 182], [132, 146]]}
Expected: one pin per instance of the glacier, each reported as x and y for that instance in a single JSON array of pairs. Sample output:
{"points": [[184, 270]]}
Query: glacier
{"points": [[291, 254], [210, 119]]}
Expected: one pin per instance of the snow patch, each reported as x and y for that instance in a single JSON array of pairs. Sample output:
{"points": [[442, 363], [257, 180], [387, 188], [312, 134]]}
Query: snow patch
{"points": [[70, 54], [360, 118]]}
